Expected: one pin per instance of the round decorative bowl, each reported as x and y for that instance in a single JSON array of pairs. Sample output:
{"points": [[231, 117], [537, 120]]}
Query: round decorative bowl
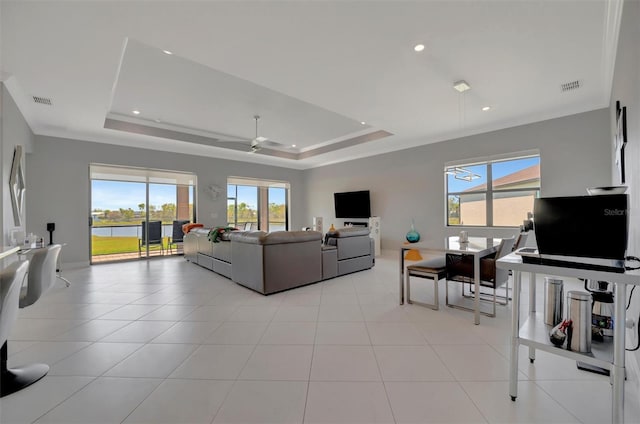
{"points": [[596, 191]]}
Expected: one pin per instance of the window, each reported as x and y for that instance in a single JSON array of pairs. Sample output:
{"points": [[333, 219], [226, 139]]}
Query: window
{"points": [[494, 193], [257, 204], [122, 198]]}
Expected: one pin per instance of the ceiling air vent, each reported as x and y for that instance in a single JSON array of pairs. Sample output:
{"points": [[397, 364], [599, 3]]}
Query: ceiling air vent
{"points": [[42, 100], [568, 86]]}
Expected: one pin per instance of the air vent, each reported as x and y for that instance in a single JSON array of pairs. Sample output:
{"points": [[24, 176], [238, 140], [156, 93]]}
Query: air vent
{"points": [[568, 86], [42, 100]]}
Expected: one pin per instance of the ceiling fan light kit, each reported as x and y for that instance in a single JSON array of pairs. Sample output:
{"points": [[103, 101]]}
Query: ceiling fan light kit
{"points": [[461, 86]]}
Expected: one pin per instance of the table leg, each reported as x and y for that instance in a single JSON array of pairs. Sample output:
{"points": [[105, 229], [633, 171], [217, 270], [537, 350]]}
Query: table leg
{"points": [[617, 371], [476, 300], [532, 309], [515, 343], [401, 276]]}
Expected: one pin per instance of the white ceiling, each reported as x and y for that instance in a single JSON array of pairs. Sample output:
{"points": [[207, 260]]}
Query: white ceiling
{"points": [[313, 70]]}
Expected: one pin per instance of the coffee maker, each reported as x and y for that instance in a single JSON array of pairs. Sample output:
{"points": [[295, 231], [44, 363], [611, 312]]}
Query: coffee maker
{"points": [[602, 321]]}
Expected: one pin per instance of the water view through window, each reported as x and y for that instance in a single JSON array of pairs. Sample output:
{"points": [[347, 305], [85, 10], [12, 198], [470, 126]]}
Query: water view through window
{"points": [[122, 199]]}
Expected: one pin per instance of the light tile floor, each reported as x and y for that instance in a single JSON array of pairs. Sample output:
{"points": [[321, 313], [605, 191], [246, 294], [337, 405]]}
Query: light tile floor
{"points": [[165, 341]]}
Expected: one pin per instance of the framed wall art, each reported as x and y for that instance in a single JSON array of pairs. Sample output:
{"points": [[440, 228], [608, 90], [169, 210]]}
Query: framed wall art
{"points": [[17, 186], [620, 139]]}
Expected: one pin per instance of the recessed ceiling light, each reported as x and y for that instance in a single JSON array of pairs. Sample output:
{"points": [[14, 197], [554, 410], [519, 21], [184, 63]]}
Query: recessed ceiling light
{"points": [[418, 47], [461, 86], [486, 108], [293, 145], [158, 120], [135, 112], [363, 123], [167, 52]]}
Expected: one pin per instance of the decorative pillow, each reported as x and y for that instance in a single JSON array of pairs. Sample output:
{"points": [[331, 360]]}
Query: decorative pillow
{"points": [[220, 233], [188, 227]]}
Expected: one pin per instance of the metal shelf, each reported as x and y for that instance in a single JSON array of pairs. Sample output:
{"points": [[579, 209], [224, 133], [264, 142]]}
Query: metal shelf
{"points": [[535, 333]]}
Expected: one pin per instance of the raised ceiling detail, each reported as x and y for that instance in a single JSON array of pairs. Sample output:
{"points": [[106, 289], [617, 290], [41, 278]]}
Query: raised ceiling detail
{"points": [[241, 146], [313, 71], [176, 98]]}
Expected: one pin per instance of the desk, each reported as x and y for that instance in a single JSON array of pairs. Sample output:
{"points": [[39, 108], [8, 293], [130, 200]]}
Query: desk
{"points": [[8, 250], [476, 246], [534, 333]]}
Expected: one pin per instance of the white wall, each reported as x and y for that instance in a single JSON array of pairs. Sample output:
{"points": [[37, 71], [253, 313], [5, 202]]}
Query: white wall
{"points": [[58, 186], [626, 88], [409, 184], [14, 131]]}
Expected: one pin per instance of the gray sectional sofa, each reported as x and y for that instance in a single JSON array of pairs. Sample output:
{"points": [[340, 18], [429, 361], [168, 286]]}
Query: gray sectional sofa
{"points": [[281, 260], [214, 256]]}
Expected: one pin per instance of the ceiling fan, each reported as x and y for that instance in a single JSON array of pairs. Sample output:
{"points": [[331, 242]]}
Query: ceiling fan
{"points": [[256, 143]]}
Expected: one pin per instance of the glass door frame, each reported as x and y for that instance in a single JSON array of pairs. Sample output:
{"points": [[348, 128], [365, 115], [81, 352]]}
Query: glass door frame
{"points": [[147, 181]]}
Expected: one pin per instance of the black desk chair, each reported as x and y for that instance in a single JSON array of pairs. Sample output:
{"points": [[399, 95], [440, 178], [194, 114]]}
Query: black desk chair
{"points": [[155, 236]]}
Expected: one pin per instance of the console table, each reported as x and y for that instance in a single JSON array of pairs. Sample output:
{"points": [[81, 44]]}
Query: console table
{"points": [[535, 334]]}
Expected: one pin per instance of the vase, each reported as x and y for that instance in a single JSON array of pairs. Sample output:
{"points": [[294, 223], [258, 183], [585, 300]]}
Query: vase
{"points": [[413, 236]]}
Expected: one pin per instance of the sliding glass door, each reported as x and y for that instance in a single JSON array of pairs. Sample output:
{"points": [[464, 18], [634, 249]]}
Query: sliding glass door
{"points": [[257, 204], [134, 212]]}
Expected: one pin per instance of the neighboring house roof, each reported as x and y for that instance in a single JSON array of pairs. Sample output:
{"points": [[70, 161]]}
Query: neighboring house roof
{"points": [[515, 180]]}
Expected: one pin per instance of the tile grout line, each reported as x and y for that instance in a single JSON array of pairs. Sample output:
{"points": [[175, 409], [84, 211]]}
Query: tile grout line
{"points": [[384, 385]]}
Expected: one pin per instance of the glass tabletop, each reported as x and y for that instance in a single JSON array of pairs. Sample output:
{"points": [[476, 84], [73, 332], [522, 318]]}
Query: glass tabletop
{"points": [[475, 244]]}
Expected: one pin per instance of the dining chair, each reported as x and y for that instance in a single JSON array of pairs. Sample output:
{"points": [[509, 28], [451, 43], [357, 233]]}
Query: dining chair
{"points": [[433, 269], [460, 269], [521, 241]]}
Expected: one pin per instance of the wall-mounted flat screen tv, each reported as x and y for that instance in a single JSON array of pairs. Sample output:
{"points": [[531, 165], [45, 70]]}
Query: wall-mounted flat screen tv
{"points": [[352, 204]]}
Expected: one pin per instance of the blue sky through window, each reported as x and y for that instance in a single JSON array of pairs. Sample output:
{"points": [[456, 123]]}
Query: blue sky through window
{"points": [[499, 169], [113, 195], [248, 195]]}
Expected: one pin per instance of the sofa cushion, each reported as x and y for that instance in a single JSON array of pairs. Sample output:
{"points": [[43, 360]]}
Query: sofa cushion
{"points": [[349, 232], [276, 237]]}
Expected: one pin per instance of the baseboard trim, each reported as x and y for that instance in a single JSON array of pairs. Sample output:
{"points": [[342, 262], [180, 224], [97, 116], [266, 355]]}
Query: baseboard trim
{"points": [[75, 265]]}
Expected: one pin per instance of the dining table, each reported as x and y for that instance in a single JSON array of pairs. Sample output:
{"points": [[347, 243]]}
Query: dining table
{"points": [[478, 247]]}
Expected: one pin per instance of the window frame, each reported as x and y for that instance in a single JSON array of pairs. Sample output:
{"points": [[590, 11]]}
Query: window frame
{"points": [[489, 191], [262, 200]]}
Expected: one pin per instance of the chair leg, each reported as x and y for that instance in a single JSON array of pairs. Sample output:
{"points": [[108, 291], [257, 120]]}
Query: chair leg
{"points": [[488, 296], [408, 287], [446, 292], [464, 308], [436, 302], [436, 305], [13, 380]]}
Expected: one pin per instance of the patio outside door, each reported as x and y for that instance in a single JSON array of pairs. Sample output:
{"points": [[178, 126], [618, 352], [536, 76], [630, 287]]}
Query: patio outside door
{"points": [[128, 203]]}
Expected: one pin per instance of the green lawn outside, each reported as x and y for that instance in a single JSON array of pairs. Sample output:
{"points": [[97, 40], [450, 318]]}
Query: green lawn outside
{"points": [[101, 245]]}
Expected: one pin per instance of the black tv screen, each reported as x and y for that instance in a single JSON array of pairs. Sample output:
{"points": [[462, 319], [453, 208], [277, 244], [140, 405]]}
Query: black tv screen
{"points": [[352, 204]]}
